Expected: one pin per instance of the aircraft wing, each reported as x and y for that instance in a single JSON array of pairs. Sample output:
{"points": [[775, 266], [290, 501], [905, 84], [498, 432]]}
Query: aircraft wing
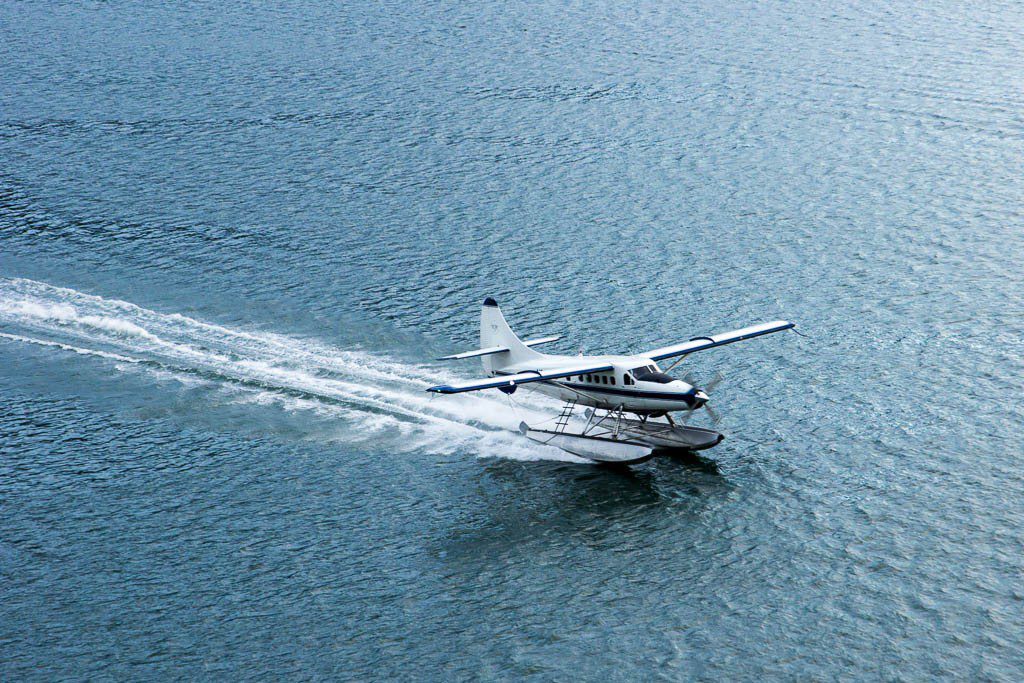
{"points": [[567, 370], [702, 343]]}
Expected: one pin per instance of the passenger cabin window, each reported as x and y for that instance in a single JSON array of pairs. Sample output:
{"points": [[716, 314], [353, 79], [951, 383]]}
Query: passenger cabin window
{"points": [[613, 380]]}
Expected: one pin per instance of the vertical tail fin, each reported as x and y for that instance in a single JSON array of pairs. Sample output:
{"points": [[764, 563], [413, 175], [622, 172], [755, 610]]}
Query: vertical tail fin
{"points": [[494, 331]]}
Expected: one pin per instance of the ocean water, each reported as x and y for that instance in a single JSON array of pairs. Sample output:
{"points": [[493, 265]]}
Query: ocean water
{"points": [[234, 236]]}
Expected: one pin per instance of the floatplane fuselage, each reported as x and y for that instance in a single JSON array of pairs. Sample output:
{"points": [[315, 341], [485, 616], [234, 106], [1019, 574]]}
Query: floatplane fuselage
{"points": [[616, 384], [633, 384]]}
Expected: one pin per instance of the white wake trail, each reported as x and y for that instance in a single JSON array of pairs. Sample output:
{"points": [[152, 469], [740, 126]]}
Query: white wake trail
{"points": [[372, 394]]}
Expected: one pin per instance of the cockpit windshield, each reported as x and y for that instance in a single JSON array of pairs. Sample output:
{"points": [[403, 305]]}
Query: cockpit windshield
{"points": [[649, 373]]}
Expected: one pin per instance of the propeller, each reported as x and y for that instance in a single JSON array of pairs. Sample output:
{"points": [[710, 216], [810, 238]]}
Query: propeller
{"points": [[707, 389], [715, 381]]}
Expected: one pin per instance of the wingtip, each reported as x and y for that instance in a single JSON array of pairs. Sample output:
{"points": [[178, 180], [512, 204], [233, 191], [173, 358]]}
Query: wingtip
{"points": [[490, 302]]}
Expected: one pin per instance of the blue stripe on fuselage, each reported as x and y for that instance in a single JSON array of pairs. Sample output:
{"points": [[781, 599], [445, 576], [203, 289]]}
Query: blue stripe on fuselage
{"points": [[686, 398]]}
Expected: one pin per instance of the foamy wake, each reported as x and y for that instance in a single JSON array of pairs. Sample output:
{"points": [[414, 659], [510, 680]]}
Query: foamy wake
{"points": [[376, 398]]}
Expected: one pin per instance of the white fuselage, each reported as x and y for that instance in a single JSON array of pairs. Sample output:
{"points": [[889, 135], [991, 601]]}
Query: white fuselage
{"points": [[633, 384]]}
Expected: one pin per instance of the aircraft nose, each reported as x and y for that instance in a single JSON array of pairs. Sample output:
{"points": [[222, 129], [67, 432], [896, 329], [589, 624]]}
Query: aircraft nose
{"points": [[695, 398]]}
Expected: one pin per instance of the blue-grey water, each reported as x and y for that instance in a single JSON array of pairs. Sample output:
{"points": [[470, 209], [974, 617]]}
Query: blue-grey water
{"points": [[233, 237]]}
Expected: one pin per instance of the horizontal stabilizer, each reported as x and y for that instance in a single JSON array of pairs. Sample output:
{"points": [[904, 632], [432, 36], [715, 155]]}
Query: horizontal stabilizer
{"points": [[473, 354], [498, 349], [542, 340]]}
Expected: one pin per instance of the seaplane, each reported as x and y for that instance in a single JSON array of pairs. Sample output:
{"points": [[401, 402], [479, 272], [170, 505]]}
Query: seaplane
{"points": [[611, 387]]}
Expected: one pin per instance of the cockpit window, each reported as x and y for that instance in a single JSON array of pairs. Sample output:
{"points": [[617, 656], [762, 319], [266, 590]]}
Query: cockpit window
{"points": [[649, 373]]}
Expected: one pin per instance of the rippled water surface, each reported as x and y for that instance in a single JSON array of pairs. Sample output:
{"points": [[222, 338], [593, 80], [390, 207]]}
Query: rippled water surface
{"points": [[233, 237]]}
